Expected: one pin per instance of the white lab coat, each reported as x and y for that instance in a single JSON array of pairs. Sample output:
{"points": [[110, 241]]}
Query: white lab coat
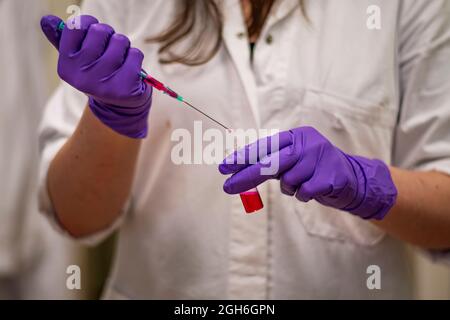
{"points": [[33, 258], [376, 93]]}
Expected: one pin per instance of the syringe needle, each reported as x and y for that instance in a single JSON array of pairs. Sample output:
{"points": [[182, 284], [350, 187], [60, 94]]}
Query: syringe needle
{"points": [[210, 118], [160, 86]]}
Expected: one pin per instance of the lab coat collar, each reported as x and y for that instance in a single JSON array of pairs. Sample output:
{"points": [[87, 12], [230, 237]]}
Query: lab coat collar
{"points": [[281, 9], [238, 47]]}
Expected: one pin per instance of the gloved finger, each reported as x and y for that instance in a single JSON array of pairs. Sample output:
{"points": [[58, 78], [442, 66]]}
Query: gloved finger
{"points": [[133, 65], [253, 152], [344, 192], [72, 39], [339, 198], [301, 172], [131, 71], [268, 168], [114, 57], [320, 184], [303, 169], [49, 26], [95, 43]]}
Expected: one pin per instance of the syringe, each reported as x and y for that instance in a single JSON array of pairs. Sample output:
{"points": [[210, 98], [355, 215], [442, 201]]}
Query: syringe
{"points": [[251, 199], [165, 89]]}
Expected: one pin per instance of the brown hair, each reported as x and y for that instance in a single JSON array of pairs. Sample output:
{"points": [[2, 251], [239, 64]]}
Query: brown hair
{"points": [[200, 18]]}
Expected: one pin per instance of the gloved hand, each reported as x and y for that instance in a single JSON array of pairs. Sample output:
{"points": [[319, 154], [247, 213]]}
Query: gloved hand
{"points": [[99, 62], [310, 167]]}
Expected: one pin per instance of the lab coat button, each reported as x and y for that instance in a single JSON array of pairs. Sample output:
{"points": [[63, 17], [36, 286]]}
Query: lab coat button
{"points": [[241, 35], [269, 39], [337, 123]]}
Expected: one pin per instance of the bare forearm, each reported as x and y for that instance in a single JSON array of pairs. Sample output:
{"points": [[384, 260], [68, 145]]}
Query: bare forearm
{"points": [[90, 178], [421, 215]]}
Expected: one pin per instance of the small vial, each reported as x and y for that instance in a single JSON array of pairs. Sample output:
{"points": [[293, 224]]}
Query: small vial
{"points": [[251, 200]]}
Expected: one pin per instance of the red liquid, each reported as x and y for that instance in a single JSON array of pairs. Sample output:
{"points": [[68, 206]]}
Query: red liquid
{"points": [[252, 201]]}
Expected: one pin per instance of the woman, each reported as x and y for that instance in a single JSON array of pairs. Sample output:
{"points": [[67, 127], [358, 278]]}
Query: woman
{"points": [[313, 66]]}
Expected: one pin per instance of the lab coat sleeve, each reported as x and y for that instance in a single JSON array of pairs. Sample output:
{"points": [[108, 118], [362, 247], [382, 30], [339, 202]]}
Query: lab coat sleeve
{"points": [[61, 116], [66, 106], [422, 136], [63, 112]]}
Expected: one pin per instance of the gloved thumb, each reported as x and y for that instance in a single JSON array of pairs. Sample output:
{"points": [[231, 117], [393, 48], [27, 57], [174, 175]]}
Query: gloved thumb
{"points": [[49, 25]]}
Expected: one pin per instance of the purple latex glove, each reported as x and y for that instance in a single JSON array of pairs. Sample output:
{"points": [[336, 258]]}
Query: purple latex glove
{"points": [[99, 62], [311, 167]]}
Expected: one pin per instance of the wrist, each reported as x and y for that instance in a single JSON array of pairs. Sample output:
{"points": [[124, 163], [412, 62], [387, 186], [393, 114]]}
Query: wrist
{"points": [[376, 188], [127, 121], [360, 185]]}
